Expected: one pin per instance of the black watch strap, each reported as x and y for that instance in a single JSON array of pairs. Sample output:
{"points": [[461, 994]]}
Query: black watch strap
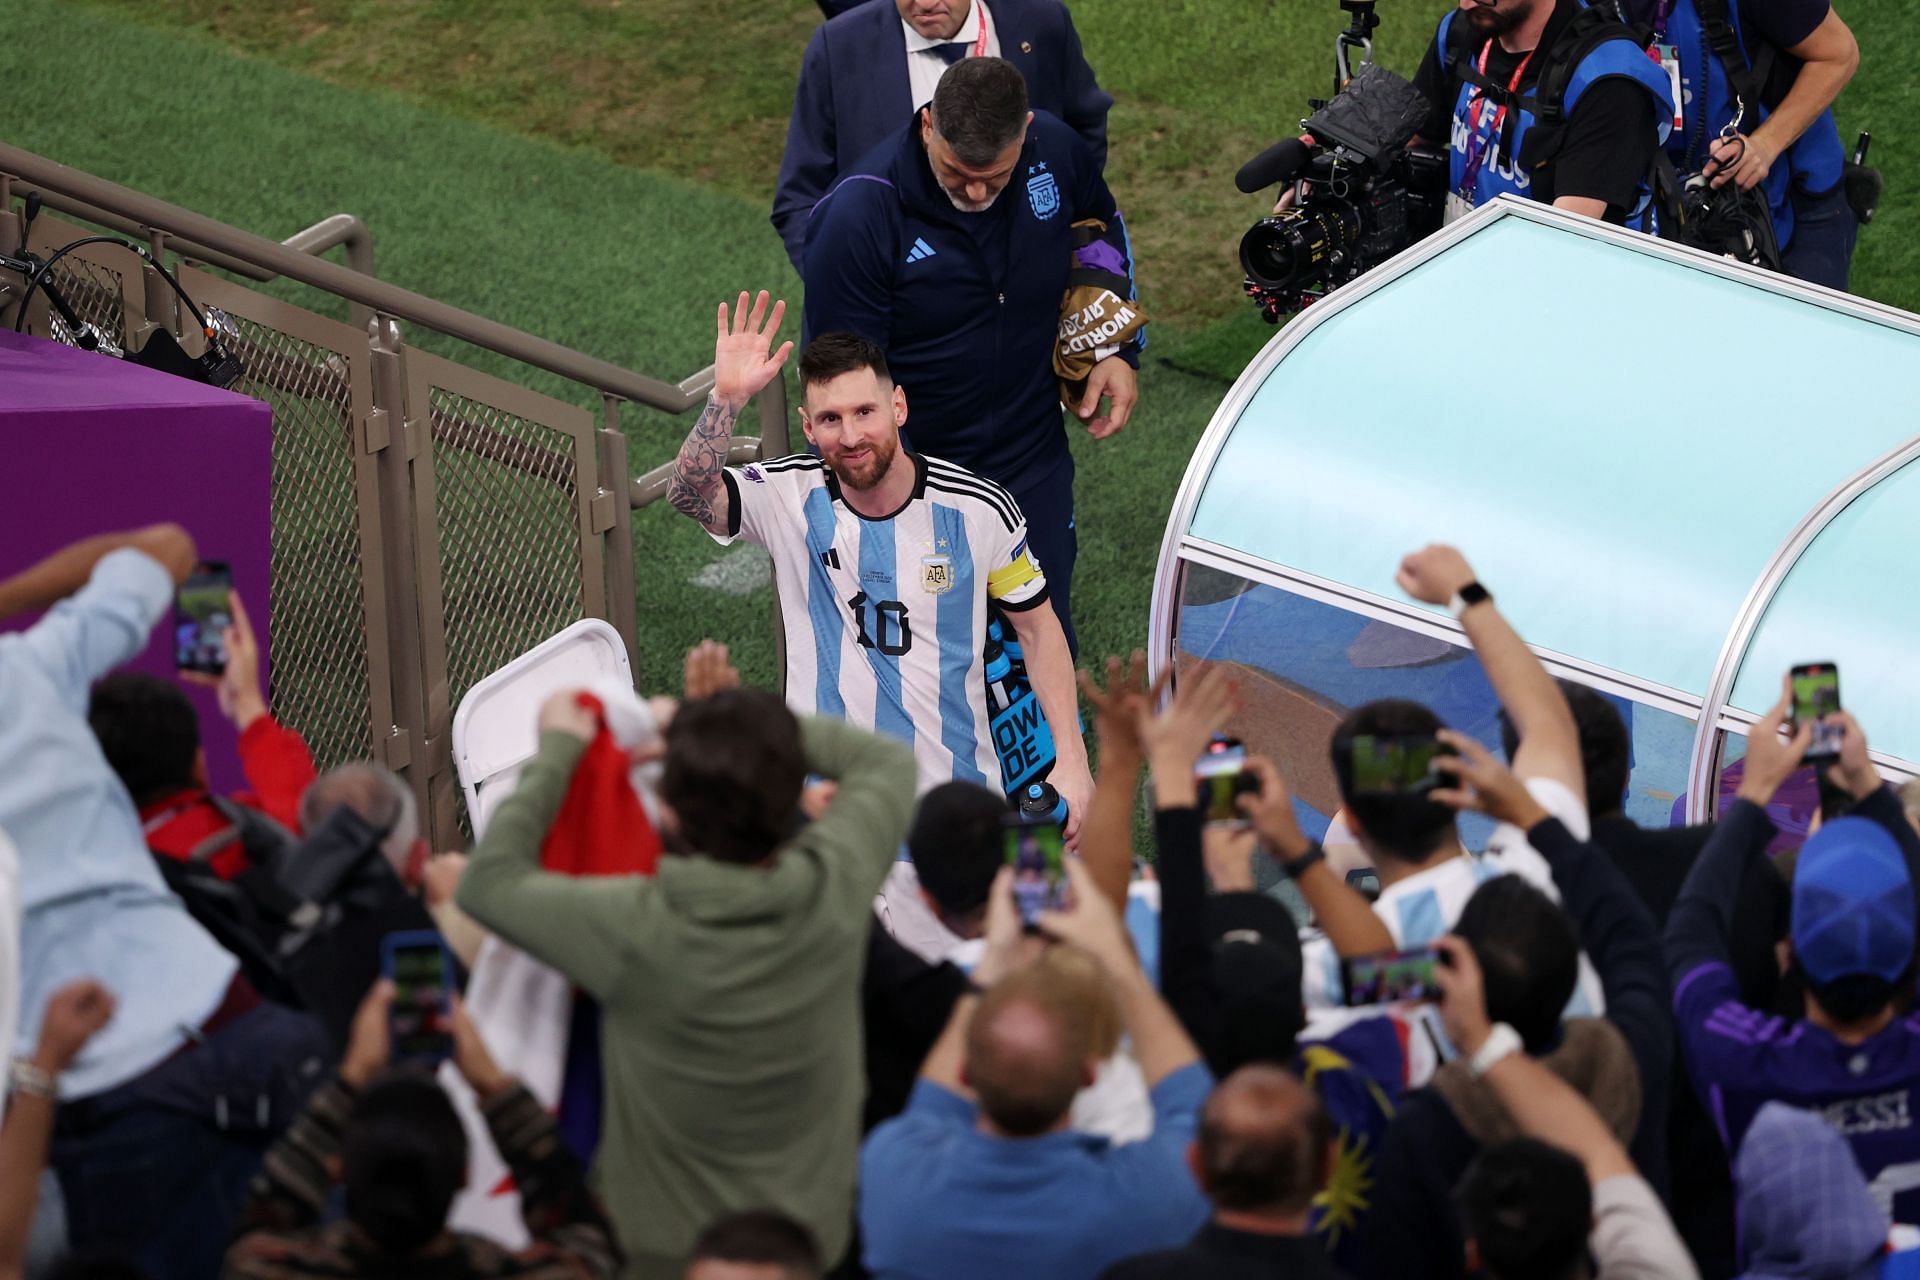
{"points": [[1299, 866], [1467, 597]]}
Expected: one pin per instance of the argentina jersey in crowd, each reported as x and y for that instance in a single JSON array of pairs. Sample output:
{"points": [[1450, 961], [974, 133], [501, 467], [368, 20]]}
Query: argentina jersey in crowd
{"points": [[885, 618]]}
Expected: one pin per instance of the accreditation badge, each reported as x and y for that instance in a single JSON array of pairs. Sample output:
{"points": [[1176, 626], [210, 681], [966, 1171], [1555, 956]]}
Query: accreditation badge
{"points": [[936, 574]]}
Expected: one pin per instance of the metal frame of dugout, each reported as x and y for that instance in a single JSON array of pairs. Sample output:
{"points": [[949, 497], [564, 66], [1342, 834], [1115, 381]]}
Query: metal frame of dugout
{"points": [[1672, 538]]}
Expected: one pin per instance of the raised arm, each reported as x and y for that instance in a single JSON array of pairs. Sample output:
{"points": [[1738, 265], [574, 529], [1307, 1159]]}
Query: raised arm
{"points": [[1540, 1103], [1106, 837], [64, 572], [1344, 916], [1549, 739], [741, 367]]}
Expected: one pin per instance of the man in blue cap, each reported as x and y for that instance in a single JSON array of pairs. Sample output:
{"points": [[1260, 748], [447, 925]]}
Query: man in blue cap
{"points": [[1854, 1058]]}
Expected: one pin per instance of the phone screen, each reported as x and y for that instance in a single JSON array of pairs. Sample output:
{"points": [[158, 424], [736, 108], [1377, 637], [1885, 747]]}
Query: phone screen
{"points": [[420, 1019], [1037, 852], [1816, 693], [1394, 977], [1397, 765], [1219, 773], [203, 610]]}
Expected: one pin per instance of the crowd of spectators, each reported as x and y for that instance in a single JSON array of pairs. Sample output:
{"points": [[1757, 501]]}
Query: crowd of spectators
{"points": [[801, 1078]]}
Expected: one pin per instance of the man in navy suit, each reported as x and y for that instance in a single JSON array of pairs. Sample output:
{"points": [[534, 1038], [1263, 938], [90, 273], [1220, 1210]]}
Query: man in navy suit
{"points": [[867, 71]]}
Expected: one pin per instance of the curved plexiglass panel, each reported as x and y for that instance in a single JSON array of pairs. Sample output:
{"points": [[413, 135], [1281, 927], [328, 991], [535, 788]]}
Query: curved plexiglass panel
{"points": [[1621, 503], [1850, 600], [1303, 665]]}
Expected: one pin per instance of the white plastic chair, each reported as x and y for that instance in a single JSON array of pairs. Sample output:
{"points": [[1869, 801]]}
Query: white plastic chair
{"points": [[494, 733]]}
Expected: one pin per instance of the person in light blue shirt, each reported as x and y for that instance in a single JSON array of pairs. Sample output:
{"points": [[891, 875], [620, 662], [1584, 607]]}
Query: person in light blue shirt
{"points": [[981, 1175], [166, 1112]]}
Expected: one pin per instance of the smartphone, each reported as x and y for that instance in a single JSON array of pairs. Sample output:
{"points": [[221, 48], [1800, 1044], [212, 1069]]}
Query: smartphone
{"points": [[420, 1020], [1396, 765], [1037, 852], [1222, 778], [203, 610], [1816, 694], [1365, 881], [1393, 977]]}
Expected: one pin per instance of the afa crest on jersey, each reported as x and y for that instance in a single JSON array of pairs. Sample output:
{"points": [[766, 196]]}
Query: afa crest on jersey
{"points": [[1043, 194], [936, 574]]}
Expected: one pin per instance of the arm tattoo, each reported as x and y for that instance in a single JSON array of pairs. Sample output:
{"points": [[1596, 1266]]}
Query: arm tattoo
{"points": [[696, 472]]}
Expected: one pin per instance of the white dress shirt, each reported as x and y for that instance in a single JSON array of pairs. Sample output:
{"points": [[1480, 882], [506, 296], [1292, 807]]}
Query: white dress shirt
{"points": [[925, 67]]}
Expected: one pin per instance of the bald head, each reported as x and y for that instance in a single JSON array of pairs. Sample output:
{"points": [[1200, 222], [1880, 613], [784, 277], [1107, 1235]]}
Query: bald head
{"points": [[1263, 1143], [1032, 1045]]}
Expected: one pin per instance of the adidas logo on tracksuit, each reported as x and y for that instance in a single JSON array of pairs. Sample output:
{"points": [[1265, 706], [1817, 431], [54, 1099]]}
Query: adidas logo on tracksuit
{"points": [[921, 250]]}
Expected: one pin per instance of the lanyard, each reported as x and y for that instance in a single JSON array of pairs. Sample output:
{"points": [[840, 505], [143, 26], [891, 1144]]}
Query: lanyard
{"points": [[1478, 141], [979, 49], [1661, 12]]}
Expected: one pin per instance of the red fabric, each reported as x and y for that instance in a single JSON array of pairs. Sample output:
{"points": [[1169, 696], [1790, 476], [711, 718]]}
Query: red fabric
{"points": [[279, 766], [601, 829]]}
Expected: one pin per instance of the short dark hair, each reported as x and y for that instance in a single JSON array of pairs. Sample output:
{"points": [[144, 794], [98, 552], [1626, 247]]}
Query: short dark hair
{"points": [[1856, 997], [733, 773], [955, 844], [762, 1236], [1529, 956], [1606, 749], [1529, 1208], [831, 354], [980, 109], [1263, 1142], [403, 1159], [148, 731], [1408, 827]]}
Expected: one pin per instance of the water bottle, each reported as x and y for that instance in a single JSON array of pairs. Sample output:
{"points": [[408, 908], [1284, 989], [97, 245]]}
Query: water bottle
{"points": [[1039, 802], [999, 678]]}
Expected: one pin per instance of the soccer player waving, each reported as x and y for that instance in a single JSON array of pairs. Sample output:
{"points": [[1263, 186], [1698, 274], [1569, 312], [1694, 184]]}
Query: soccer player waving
{"points": [[885, 561]]}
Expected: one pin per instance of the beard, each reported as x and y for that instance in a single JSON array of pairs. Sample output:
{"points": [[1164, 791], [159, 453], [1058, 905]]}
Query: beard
{"points": [[1489, 21], [871, 471], [965, 205]]}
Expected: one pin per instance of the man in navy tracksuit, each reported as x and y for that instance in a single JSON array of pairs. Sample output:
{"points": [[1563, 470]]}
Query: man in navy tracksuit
{"points": [[950, 246]]}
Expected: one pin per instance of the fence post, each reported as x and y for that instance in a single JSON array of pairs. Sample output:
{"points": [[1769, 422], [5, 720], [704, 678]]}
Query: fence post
{"points": [[387, 436], [614, 477]]}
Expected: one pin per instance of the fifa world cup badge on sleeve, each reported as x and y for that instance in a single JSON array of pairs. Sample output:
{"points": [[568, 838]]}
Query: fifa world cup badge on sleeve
{"points": [[936, 574], [1043, 193]]}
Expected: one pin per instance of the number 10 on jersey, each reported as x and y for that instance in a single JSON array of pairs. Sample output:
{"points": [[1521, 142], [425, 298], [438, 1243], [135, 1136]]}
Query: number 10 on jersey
{"points": [[884, 628]]}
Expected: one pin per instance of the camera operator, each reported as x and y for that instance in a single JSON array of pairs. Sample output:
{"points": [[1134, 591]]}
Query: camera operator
{"points": [[1548, 99], [1774, 66]]}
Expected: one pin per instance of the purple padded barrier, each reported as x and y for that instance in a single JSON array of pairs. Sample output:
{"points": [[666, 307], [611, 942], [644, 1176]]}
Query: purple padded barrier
{"points": [[90, 444]]}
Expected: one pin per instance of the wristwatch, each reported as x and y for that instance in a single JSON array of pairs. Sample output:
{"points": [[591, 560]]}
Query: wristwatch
{"points": [[1467, 597], [1294, 868], [1501, 1041], [32, 1081]]}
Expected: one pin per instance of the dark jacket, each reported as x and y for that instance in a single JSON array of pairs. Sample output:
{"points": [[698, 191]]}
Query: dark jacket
{"points": [[853, 92], [905, 1004], [966, 305]]}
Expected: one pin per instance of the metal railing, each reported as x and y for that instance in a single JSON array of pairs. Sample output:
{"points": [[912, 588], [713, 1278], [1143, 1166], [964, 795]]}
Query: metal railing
{"points": [[430, 522]]}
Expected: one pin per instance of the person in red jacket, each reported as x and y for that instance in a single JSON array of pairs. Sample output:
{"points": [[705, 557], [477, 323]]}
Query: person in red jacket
{"points": [[151, 737]]}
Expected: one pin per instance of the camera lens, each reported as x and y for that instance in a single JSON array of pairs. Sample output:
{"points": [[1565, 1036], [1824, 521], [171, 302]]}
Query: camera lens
{"points": [[1293, 249]]}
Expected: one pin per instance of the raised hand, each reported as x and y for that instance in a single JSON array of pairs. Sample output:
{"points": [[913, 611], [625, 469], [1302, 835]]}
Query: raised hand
{"points": [[741, 365], [562, 712], [1435, 573], [238, 687], [1270, 809], [709, 670], [1482, 783], [1119, 709], [1175, 738], [1772, 759]]}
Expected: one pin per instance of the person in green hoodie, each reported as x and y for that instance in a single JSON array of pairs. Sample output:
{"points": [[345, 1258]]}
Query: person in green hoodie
{"points": [[729, 981]]}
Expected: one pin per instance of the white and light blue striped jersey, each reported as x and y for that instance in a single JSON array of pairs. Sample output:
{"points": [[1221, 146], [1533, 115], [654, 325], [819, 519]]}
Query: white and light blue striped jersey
{"points": [[886, 618]]}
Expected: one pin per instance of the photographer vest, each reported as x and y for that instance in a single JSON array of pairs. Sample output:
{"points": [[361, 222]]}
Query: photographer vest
{"points": [[1715, 70], [1506, 139]]}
